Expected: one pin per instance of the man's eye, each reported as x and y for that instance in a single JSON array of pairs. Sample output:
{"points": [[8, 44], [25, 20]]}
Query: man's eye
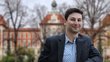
{"points": [[79, 20], [73, 19]]}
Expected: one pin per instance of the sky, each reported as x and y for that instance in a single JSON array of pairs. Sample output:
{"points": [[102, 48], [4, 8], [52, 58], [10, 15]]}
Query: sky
{"points": [[47, 3], [31, 3]]}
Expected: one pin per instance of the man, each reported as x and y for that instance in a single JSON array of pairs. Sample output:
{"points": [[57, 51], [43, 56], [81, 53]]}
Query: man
{"points": [[70, 46]]}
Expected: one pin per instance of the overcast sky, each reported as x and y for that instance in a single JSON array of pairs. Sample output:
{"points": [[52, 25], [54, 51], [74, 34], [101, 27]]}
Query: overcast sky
{"points": [[47, 3], [31, 3]]}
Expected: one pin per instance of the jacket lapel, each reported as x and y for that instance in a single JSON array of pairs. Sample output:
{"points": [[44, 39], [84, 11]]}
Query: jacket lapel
{"points": [[79, 43], [61, 43]]}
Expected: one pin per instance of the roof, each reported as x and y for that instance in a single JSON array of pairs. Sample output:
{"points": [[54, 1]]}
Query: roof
{"points": [[48, 17], [106, 20], [25, 30], [2, 21]]}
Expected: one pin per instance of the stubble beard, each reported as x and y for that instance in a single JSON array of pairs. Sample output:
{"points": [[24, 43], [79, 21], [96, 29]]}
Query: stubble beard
{"points": [[73, 31]]}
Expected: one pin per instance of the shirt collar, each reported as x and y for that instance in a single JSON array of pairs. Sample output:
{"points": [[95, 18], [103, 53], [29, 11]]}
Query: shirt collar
{"points": [[68, 40]]}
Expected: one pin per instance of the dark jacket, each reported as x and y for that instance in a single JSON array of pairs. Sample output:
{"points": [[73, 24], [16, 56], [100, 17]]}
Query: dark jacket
{"points": [[54, 48]]}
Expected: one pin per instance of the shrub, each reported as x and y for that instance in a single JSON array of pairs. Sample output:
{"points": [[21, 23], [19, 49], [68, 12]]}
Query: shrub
{"points": [[23, 55]]}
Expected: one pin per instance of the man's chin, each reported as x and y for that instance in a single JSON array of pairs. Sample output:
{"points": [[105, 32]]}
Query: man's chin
{"points": [[76, 31]]}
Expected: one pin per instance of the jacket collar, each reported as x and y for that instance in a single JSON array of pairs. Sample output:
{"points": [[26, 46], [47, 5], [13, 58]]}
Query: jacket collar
{"points": [[61, 45]]}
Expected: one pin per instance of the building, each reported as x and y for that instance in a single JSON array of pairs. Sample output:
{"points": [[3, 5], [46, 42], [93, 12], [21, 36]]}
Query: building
{"points": [[27, 37], [53, 22], [106, 42]]}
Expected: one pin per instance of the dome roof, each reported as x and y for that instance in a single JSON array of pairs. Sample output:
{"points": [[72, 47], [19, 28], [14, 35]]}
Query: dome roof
{"points": [[2, 21], [54, 4], [55, 17], [106, 20]]}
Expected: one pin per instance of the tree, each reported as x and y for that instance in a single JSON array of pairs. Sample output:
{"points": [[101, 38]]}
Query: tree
{"points": [[14, 14], [37, 15], [62, 8], [94, 12]]}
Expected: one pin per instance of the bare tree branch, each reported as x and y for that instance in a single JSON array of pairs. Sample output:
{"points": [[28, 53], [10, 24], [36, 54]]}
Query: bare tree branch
{"points": [[94, 10]]}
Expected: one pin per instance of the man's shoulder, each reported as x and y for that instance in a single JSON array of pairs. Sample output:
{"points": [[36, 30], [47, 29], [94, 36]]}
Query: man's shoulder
{"points": [[85, 36], [55, 38], [85, 39]]}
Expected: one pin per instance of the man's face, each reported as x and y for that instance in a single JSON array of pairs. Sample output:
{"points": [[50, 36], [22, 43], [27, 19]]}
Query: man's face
{"points": [[74, 22]]}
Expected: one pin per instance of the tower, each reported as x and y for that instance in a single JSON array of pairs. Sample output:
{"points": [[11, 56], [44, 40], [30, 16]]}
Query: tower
{"points": [[53, 22]]}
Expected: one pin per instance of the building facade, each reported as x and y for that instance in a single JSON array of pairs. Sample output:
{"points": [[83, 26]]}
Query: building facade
{"points": [[51, 25]]}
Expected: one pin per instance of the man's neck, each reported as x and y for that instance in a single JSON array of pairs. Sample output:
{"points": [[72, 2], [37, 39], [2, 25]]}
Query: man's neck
{"points": [[70, 35]]}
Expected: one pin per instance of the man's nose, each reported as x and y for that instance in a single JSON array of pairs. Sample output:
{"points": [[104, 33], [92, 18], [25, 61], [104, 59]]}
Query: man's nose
{"points": [[76, 21]]}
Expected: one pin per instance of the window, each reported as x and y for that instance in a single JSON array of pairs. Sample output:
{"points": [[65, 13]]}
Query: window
{"points": [[29, 43], [24, 35], [5, 35], [29, 35], [19, 42], [24, 43], [19, 35]]}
